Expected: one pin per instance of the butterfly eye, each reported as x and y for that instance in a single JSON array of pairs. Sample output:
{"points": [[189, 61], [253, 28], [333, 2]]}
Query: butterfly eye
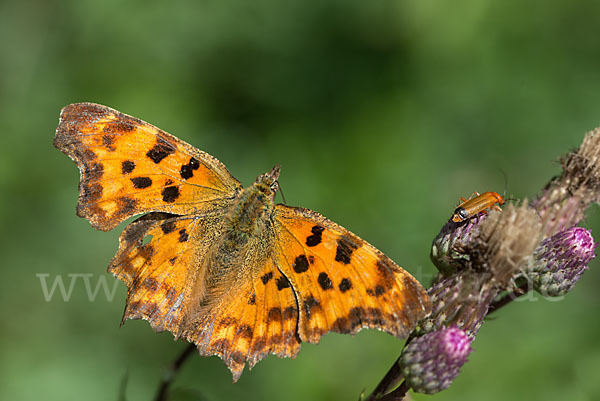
{"points": [[275, 186]]}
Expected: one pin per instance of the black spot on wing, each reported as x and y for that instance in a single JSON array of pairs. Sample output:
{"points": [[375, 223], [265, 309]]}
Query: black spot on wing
{"points": [[187, 170], [265, 278], [127, 166], [300, 264], [159, 152], [183, 235], [345, 285], [345, 247], [324, 281], [141, 182], [170, 194], [377, 291], [315, 238], [283, 282], [168, 226]]}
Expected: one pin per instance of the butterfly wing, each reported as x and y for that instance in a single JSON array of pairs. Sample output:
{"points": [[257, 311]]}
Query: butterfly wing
{"points": [[158, 258], [341, 282], [130, 167], [257, 315], [305, 276]]}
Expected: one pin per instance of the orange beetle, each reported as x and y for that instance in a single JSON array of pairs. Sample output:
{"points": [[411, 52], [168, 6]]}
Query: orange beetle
{"points": [[475, 204]]}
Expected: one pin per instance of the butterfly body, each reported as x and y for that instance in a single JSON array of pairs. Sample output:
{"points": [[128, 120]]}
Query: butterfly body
{"points": [[246, 227], [254, 207], [225, 267]]}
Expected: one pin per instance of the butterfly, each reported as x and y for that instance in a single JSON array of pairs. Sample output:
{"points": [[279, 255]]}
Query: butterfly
{"points": [[220, 265]]}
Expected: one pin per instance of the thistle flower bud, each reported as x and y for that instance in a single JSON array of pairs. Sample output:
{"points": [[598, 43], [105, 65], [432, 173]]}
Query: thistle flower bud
{"points": [[430, 363], [460, 301], [446, 249], [560, 261]]}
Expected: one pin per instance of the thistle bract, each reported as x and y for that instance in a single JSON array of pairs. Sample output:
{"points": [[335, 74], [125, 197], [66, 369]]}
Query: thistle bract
{"points": [[431, 362]]}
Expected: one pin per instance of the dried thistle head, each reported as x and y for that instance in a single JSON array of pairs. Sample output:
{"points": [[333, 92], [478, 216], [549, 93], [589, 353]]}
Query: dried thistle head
{"points": [[582, 167], [505, 243], [565, 198]]}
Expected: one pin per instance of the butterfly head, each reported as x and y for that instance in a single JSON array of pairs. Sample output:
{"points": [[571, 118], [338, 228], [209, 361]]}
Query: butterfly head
{"points": [[269, 179]]}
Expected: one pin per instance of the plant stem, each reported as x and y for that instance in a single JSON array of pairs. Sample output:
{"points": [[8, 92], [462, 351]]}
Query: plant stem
{"points": [[171, 372], [391, 378], [398, 394], [508, 298]]}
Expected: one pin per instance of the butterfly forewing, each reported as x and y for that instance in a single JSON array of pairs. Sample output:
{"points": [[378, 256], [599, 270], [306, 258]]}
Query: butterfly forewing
{"points": [[342, 283], [130, 167]]}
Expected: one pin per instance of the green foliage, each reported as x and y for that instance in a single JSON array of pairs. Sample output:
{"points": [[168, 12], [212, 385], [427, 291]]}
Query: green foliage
{"points": [[381, 115]]}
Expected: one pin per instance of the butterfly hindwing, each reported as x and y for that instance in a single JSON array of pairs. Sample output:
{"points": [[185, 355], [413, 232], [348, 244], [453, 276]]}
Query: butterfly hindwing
{"points": [[257, 316], [342, 283], [158, 259], [130, 167]]}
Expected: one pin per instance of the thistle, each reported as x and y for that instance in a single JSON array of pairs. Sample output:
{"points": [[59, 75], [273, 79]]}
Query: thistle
{"points": [[431, 362], [487, 261], [560, 261]]}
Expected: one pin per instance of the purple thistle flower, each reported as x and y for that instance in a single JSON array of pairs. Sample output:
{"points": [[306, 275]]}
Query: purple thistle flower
{"points": [[560, 261], [431, 362]]}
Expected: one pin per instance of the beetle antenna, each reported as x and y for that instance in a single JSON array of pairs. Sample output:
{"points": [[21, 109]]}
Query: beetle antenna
{"points": [[513, 199], [505, 181]]}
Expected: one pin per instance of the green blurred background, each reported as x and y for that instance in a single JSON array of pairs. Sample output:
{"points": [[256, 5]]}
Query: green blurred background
{"points": [[381, 114]]}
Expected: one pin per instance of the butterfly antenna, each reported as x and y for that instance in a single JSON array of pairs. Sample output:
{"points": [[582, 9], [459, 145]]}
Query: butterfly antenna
{"points": [[282, 195]]}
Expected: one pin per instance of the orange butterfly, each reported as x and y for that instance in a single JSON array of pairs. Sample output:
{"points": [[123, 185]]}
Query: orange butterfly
{"points": [[221, 265]]}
